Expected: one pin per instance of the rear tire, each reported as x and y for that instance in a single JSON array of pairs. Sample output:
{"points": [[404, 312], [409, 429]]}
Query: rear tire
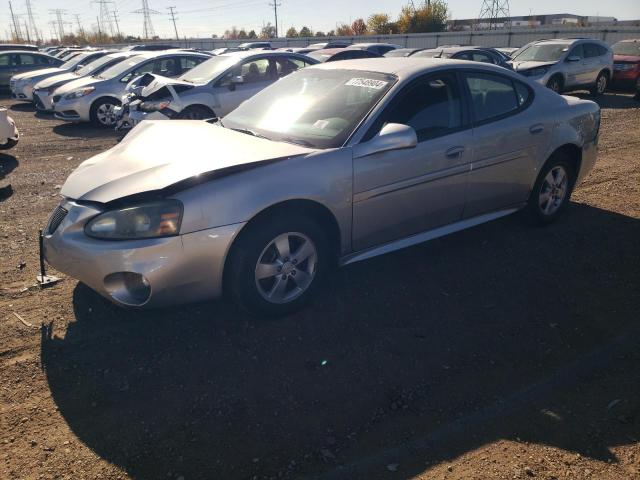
{"points": [[602, 82], [195, 112], [556, 84], [552, 191], [11, 142], [277, 264], [102, 114]]}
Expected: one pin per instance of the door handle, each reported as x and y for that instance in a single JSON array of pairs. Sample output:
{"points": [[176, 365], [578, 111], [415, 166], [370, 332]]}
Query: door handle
{"points": [[537, 128], [454, 152]]}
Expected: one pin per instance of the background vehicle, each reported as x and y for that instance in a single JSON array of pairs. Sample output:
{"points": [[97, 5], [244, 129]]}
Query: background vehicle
{"points": [[18, 46], [335, 163], [335, 54], [16, 62], [213, 88], [474, 54], [8, 130], [152, 47], [377, 48], [508, 51], [93, 99], [626, 64], [22, 84], [43, 91], [250, 45], [567, 64], [402, 52]]}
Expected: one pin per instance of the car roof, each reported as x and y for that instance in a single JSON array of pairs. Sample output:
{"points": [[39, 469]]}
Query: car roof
{"points": [[405, 67], [162, 53], [356, 45], [251, 53], [28, 52]]}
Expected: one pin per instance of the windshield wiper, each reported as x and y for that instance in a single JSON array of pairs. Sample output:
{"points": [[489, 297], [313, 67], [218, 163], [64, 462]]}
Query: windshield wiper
{"points": [[298, 141], [248, 132]]}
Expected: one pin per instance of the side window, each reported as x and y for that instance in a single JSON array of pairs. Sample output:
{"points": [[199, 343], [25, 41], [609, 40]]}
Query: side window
{"points": [[522, 92], [591, 50], [140, 70], [431, 106], [256, 71], [287, 65], [462, 56], [42, 60], [602, 50], [167, 67], [187, 63], [492, 95], [27, 59], [576, 52], [4, 60]]}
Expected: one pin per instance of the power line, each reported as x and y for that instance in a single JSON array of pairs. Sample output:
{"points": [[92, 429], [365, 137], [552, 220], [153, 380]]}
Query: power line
{"points": [[105, 16], [80, 28], [32, 22], [149, 32], [275, 6], [115, 19], [492, 11], [173, 18], [59, 21]]}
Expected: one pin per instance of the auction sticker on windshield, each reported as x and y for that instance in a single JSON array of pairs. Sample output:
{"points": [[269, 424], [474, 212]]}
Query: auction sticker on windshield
{"points": [[366, 83]]}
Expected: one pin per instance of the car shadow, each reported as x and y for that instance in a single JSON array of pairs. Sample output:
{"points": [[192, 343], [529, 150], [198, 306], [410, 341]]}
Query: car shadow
{"points": [[8, 163], [610, 99], [23, 107], [394, 348], [85, 130]]}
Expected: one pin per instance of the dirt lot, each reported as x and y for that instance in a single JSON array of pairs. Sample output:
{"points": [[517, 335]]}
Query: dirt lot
{"points": [[500, 352]]}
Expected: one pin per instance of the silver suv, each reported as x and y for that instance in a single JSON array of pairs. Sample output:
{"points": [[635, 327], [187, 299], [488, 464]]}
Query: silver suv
{"points": [[566, 64]]}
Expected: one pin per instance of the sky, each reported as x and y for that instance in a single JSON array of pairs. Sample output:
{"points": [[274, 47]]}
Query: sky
{"points": [[202, 18]]}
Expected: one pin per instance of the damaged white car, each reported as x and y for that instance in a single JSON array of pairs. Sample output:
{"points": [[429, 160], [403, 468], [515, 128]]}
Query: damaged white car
{"points": [[212, 89], [8, 130]]}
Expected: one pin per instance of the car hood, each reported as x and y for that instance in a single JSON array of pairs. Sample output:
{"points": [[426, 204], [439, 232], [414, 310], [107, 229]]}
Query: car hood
{"points": [[518, 66], [158, 154], [39, 73], [79, 83], [57, 79], [626, 58], [154, 83]]}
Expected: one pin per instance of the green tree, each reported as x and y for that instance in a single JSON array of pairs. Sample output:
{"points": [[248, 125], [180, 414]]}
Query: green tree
{"points": [[320, 33], [253, 34], [379, 23], [344, 30], [306, 32], [331, 33], [359, 27], [292, 32], [268, 31], [242, 34], [429, 17]]}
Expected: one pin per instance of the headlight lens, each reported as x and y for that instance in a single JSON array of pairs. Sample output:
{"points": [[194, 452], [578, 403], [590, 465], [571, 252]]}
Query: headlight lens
{"points": [[79, 93], [536, 72], [154, 105], [149, 220]]}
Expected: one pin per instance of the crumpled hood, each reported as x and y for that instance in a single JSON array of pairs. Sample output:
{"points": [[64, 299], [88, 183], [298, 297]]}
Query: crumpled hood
{"points": [[57, 79], [156, 84], [519, 66], [158, 154], [43, 72], [76, 84]]}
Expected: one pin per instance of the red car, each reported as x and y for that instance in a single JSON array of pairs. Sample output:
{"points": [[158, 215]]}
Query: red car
{"points": [[626, 64]]}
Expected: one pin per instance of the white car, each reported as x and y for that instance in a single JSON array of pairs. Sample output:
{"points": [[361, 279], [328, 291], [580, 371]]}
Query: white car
{"points": [[8, 130], [212, 89]]}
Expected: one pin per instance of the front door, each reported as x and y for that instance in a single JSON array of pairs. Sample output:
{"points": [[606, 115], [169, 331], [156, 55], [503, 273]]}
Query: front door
{"points": [[403, 192]]}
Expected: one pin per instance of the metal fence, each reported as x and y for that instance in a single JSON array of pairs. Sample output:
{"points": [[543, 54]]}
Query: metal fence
{"points": [[515, 37]]}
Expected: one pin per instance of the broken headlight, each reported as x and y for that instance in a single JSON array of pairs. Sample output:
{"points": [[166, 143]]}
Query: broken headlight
{"points": [[149, 220]]}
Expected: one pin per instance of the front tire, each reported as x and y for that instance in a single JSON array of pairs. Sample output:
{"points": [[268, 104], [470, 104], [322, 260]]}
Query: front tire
{"points": [[602, 82], [552, 190], [277, 264], [556, 84], [11, 142], [195, 112], [103, 114]]}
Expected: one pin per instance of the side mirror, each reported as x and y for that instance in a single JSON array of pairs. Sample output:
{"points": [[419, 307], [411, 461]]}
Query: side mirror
{"points": [[573, 58], [393, 136]]}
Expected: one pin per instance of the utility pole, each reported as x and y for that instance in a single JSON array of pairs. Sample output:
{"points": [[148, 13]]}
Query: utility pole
{"points": [[80, 29], [16, 25], [32, 22], [275, 6], [105, 15], [58, 13], [99, 31], [115, 19], [148, 30], [26, 29], [173, 18]]}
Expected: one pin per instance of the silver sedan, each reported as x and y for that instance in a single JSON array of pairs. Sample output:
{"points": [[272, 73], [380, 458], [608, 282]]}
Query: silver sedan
{"points": [[332, 164]]}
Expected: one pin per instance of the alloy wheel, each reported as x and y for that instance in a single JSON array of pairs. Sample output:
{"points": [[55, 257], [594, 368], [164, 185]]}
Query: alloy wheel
{"points": [[601, 84], [553, 190], [286, 267], [106, 115]]}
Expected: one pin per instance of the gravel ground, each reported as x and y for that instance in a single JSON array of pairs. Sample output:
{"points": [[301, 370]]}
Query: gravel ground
{"points": [[486, 354]]}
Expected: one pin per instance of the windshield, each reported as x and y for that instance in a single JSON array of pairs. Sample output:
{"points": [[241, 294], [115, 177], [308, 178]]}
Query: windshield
{"points": [[120, 68], [75, 60], [312, 107], [321, 56], [541, 53], [627, 48], [428, 54], [98, 65], [209, 69]]}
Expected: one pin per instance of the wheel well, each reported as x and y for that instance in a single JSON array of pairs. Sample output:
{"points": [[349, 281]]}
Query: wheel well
{"points": [[573, 154], [106, 97], [198, 105], [606, 71]]}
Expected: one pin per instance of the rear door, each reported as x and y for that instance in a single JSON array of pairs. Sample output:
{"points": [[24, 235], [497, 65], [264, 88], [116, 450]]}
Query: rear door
{"points": [[7, 69], [576, 70], [506, 139], [592, 62], [403, 192]]}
